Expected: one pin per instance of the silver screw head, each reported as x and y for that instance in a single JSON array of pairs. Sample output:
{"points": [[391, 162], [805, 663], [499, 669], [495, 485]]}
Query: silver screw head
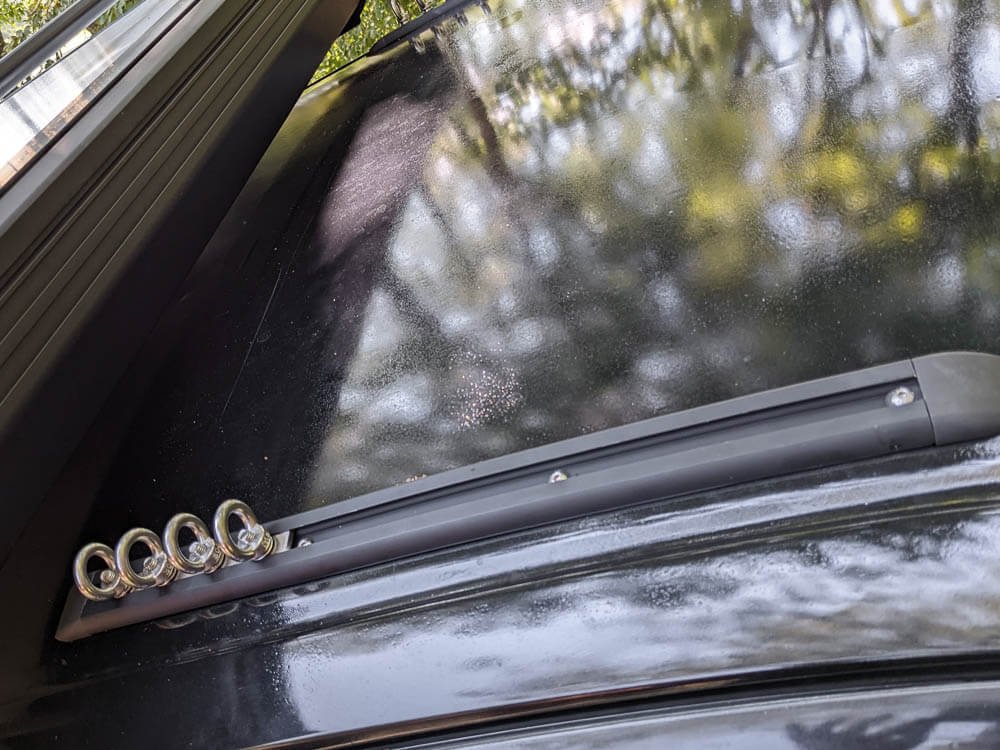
{"points": [[151, 564], [558, 476], [200, 551], [249, 538], [901, 396]]}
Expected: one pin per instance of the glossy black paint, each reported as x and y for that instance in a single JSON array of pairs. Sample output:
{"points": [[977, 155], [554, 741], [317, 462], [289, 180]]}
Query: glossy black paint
{"points": [[844, 573], [942, 716], [556, 218], [553, 221]]}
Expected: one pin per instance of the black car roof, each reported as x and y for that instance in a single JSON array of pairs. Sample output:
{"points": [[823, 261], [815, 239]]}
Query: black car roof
{"points": [[535, 222]]}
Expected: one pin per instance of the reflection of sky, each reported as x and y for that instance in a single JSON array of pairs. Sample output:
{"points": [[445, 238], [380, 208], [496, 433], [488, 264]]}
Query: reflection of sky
{"points": [[645, 209], [670, 600], [826, 723]]}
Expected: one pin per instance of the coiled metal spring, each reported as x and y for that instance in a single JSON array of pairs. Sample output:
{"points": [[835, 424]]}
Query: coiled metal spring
{"points": [[168, 557]]}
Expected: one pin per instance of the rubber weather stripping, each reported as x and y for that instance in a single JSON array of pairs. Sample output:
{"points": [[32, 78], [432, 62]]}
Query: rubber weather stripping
{"points": [[933, 400]]}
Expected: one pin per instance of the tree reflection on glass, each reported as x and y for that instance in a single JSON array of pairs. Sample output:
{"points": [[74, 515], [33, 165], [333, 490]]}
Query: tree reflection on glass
{"points": [[640, 206]]}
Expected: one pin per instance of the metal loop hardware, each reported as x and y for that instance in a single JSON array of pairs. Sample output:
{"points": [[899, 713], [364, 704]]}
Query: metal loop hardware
{"points": [[252, 542], [204, 556], [112, 586], [157, 570], [168, 559]]}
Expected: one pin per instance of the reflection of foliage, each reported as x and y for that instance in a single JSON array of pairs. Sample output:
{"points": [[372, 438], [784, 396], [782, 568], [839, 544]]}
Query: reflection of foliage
{"points": [[687, 202], [568, 215], [19, 19], [377, 20], [116, 11]]}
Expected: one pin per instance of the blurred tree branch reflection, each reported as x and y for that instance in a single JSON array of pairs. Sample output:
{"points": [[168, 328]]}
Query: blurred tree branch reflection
{"points": [[644, 205]]}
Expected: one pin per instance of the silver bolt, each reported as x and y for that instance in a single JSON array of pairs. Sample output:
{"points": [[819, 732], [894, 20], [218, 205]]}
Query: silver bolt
{"points": [[304, 542], [558, 476], [200, 551], [901, 396], [249, 538]]}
